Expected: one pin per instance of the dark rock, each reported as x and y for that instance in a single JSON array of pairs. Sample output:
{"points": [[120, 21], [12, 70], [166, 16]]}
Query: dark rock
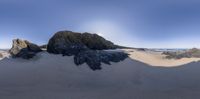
{"points": [[141, 49], [66, 43], [90, 57], [71, 43], [94, 58], [25, 54], [96, 42], [43, 46], [86, 47], [32, 47], [24, 49], [1, 55], [123, 47]]}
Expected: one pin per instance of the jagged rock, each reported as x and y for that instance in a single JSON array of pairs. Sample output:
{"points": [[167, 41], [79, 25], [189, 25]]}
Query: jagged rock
{"points": [[71, 43], [94, 58], [24, 49]]}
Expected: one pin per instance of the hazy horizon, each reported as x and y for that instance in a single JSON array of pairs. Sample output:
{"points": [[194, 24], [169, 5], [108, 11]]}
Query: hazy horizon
{"points": [[134, 23]]}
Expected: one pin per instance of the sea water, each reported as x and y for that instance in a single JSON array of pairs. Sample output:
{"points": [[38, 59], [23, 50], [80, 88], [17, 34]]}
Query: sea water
{"points": [[169, 49]]}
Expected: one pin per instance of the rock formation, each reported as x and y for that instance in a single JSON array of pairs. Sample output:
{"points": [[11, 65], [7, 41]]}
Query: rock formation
{"points": [[190, 53], [96, 42], [86, 48], [71, 43], [94, 58], [24, 49]]}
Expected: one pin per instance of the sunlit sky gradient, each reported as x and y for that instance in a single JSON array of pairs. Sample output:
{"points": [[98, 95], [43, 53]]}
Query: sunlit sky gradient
{"points": [[136, 23]]}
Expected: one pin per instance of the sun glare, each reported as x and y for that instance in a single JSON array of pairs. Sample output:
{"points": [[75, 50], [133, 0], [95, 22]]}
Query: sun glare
{"points": [[100, 27], [110, 30]]}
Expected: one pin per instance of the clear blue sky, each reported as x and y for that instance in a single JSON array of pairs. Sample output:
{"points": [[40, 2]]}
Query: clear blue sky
{"points": [[137, 23]]}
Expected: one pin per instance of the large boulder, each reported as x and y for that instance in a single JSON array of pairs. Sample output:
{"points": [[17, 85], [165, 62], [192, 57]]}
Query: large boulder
{"points": [[71, 43], [24, 49]]}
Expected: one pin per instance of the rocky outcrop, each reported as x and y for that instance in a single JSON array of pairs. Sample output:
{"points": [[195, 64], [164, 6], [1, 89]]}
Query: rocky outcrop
{"points": [[24, 49], [17, 46], [96, 42], [190, 53], [94, 58], [86, 48], [66, 43], [71, 43]]}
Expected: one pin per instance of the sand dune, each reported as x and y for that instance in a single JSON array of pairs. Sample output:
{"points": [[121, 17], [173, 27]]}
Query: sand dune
{"points": [[49, 76]]}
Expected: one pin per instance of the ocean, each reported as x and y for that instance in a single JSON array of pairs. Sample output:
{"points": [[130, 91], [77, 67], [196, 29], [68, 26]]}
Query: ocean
{"points": [[169, 49]]}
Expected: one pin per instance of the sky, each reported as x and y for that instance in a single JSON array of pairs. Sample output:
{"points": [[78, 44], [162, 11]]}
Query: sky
{"points": [[134, 23]]}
